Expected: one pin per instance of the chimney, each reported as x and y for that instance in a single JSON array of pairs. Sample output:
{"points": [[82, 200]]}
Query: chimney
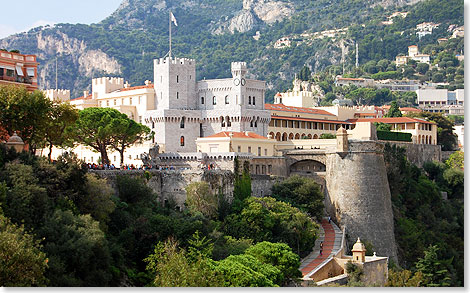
{"points": [[126, 85], [85, 94], [147, 82]]}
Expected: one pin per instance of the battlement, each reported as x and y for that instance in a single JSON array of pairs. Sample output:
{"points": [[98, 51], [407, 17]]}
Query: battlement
{"points": [[108, 81], [238, 66], [57, 94], [175, 61]]}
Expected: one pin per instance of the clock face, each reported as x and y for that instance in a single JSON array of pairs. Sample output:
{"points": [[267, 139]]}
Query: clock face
{"points": [[236, 81], [243, 81]]}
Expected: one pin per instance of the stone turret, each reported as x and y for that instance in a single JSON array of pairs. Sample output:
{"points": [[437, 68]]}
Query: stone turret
{"points": [[359, 251], [342, 140]]}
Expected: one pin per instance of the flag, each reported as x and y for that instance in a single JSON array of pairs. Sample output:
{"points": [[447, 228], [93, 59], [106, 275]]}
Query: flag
{"points": [[173, 18]]}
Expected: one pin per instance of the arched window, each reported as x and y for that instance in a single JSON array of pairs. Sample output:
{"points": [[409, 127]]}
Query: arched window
{"points": [[222, 122], [226, 100], [254, 101], [182, 141], [214, 101], [249, 100], [229, 123], [202, 100], [182, 122]]}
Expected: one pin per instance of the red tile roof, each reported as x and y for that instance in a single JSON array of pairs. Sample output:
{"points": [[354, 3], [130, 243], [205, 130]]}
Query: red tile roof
{"points": [[282, 107], [309, 119], [136, 88], [82, 98], [247, 134], [390, 120]]}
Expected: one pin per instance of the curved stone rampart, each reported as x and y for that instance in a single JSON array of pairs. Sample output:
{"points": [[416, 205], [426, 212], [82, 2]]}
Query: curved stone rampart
{"points": [[358, 195]]}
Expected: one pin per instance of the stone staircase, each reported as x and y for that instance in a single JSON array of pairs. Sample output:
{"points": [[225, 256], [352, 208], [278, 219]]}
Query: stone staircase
{"points": [[331, 236]]}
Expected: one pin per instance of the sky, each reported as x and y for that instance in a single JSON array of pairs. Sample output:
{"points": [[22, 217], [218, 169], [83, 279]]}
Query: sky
{"points": [[25, 14]]}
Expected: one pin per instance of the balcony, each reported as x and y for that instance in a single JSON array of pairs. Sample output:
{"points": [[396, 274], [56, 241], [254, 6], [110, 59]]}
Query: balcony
{"points": [[16, 79]]}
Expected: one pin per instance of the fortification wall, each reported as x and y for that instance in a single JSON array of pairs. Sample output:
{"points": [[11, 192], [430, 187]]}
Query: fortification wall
{"points": [[358, 195], [419, 154], [170, 185]]}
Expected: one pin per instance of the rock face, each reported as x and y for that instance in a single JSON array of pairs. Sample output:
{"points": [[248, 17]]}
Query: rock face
{"points": [[256, 12]]}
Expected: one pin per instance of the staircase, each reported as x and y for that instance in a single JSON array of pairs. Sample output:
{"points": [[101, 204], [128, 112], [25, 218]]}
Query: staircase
{"points": [[331, 236]]}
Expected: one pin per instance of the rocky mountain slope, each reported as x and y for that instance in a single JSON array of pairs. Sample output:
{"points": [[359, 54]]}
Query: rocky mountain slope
{"points": [[214, 32]]}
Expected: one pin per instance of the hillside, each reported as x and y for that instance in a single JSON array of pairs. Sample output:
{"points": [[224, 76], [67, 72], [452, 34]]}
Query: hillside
{"points": [[216, 33]]}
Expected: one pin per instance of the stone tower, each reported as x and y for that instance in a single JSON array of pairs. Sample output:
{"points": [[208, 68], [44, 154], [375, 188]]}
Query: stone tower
{"points": [[358, 194], [239, 82], [175, 83]]}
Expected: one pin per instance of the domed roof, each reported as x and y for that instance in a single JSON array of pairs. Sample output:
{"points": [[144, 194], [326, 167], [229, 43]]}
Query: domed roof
{"points": [[15, 139], [359, 246]]}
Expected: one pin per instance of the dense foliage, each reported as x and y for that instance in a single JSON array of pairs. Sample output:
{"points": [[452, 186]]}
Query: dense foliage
{"points": [[424, 218]]}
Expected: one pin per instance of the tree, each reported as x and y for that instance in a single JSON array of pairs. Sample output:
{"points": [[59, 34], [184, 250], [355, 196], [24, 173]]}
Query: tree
{"points": [[394, 110], [434, 272], [327, 136], [279, 255], [301, 192], [200, 199], [97, 200], [404, 278], [241, 186], [127, 132], [383, 126], [77, 250], [171, 268], [456, 160], [24, 112], [95, 127], [60, 117], [266, 219], [438, 77], [22, 263], [305, 74], [422, 67]]}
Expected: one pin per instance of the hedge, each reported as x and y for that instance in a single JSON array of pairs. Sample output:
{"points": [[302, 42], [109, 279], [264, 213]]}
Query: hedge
{"points": [[392, 135]]}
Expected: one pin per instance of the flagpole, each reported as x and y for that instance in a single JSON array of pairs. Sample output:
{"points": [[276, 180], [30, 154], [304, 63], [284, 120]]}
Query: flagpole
{"points": [[169, 18]]}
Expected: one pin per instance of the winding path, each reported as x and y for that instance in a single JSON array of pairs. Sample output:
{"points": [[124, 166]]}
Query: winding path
{"points": [[331, 237]]}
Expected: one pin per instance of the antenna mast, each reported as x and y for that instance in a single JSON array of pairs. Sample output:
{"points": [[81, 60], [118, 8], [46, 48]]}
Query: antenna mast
{"points": [[56, 73]]}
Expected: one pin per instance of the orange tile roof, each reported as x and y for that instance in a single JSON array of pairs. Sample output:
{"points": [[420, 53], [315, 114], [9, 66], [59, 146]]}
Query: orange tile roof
{"points": [[309, 119], [410, 109], [282, 107], [136, 88], [389, 120], [247, 134], [82, 98]]}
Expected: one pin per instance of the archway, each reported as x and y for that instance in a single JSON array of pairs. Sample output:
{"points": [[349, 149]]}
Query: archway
{"points": [[284, 136], [297, 136], [291, 136], [305, 167], [315, 136], [278, 136]]}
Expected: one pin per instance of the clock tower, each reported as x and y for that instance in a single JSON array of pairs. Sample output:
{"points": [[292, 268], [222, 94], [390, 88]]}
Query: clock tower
{"points": [[239, 82]]}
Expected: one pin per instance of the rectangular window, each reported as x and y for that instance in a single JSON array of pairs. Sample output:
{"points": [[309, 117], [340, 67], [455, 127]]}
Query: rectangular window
{"points": [[265, 152], [270, 169], [259, 151], [115, 102], [214, 100], [249, 149], [263, 169], [239, 149], [107, 103], [177, 95], [254, 101], [130, 101], [177, 79]]}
